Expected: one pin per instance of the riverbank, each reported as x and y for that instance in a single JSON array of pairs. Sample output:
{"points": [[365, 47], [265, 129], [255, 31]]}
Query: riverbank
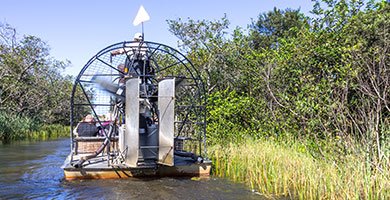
{"points": [[276, 169], [51, 131], [14, 127], [43, 132]]}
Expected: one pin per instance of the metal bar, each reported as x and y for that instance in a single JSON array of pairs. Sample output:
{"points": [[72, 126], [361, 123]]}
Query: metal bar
{"points": [[166, 105], [182, 126], [147, 75], [102, 74], [84, 81], [151, 54], [132, 122], [180, 61], [189, 122], [85, 104], [189, 106], [104, 62], [149, 147]]}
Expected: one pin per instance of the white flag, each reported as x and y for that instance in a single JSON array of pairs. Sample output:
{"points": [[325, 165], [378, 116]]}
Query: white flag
{"points": [[142, 16]]}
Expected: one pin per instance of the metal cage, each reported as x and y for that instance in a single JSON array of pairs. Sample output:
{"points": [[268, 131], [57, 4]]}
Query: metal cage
{"points": [[97, 90]]}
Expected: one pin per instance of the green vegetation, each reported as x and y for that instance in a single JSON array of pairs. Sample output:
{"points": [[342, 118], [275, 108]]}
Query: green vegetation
{"points": [[14, 127], [319, 82], [276, 169], [298, 106], [51, 131], [31, 83], [33, 93]]}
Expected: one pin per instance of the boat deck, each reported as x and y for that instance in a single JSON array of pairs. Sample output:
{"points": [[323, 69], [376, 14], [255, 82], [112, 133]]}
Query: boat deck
{"points": [[101, 167]]}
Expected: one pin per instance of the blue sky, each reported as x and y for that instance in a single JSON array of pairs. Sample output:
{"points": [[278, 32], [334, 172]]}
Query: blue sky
{"points": [[77, 29]]}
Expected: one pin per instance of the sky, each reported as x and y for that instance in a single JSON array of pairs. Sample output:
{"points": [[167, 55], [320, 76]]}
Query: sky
{"points": [[76, 30]]}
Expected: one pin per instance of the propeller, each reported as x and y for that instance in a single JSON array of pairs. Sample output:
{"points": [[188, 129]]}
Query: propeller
{"points": [[109, 86]]}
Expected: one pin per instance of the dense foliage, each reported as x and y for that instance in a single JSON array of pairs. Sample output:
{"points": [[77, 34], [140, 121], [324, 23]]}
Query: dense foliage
{"points": [[299, 106], [32, 89], [15, 127], [323, 79]]}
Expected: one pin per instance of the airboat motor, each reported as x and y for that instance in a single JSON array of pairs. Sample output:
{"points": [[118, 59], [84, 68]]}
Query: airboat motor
{"points": [[148, 102]]}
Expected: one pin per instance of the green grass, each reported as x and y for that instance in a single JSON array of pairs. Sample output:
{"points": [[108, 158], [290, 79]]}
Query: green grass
{"points": [[285, 170]]}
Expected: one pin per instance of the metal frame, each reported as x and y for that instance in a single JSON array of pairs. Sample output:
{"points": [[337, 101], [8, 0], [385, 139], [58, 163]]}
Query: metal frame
{"points": [[166, 62]]}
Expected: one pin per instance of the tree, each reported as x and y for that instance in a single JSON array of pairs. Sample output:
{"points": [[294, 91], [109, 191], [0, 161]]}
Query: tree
{"points": [[324, 78], [31, 83], [205, 44], [368, 36], [275, 25]]}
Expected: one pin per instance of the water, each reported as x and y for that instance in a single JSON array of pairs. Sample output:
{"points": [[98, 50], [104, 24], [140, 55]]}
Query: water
{"points": [[31, 170]]}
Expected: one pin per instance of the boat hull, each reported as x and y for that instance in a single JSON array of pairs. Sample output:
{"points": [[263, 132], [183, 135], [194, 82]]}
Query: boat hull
{"points": [[103, 171]]}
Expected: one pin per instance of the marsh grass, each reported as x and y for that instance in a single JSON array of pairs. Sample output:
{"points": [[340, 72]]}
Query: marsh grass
{"points": [[14, 127], [285, 170], [49, 132]]}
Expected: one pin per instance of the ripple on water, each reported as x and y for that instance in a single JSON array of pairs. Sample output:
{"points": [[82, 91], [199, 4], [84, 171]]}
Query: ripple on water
{"points": [[33, 172]]}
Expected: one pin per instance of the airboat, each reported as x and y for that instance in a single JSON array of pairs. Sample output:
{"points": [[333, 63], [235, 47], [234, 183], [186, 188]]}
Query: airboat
{"points": [[148, 101]]}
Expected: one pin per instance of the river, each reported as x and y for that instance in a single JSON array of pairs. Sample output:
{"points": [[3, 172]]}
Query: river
{"points": [[31, 170]]}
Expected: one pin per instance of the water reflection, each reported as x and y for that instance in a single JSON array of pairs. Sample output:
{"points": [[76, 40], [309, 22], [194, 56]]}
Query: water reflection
{"points": [[32, 171]]}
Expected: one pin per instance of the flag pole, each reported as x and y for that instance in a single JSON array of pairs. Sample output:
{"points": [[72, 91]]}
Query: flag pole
{"points": [[141, 17], [143, 36]]}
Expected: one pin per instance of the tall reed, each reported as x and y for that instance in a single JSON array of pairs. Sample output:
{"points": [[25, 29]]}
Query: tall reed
{"points": [[14, 127], [275, 169], [49, 132]]}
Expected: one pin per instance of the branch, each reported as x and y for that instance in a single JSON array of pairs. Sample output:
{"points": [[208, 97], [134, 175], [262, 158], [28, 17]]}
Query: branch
{"points": [[267, 76]]}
